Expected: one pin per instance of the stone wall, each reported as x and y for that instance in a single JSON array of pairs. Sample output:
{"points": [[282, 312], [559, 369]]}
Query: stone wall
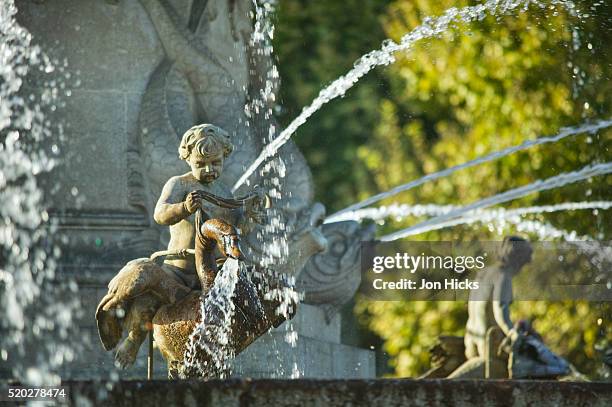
{"points": [[104, 55], [330, 393]]}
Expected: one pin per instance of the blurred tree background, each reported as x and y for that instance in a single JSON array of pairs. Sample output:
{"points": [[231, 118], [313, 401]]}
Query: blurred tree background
{"points": [[478, 88]]}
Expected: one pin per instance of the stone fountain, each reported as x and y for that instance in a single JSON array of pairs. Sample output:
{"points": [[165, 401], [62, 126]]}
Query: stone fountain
{"points": [[137, 75]]}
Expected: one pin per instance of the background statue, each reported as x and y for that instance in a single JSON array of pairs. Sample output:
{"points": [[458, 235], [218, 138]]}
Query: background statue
{"points": [[489, 313]]}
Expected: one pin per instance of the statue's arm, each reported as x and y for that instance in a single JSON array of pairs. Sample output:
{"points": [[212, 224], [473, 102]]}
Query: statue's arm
{"points": [[501, 312], [502, 298], [170, 207]]}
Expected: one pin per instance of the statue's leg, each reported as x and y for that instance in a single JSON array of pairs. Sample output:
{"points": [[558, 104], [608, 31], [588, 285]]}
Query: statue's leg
{"points": [[471, 346], [138, 324]]}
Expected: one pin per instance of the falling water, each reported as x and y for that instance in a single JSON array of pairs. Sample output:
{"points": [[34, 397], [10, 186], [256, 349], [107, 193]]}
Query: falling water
{"points": [[431, 27], [209, 352], [37, 308], [212, 340], [537, 186], [274, 235], [565, 132]]}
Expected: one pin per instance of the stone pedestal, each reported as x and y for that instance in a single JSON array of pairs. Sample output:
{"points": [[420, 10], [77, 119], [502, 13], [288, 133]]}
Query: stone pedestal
{"points": [[306, 346]]}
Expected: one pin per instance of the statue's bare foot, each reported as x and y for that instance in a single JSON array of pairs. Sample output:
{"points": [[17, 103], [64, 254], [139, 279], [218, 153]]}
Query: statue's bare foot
{"points": [[126, 353]]}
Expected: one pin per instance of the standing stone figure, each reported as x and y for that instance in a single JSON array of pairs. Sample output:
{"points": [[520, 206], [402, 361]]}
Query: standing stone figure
{"points": [[489, 322]]}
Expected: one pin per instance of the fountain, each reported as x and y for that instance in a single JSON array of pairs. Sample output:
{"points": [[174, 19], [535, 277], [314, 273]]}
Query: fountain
{"points": [[180, 65], [164, 67]]}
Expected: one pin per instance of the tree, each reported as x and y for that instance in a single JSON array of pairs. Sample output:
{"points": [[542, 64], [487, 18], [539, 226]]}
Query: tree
{"points": [[478, 88]]}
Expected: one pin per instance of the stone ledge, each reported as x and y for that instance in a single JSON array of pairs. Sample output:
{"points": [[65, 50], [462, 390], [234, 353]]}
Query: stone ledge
{"points": [[305, 392]]}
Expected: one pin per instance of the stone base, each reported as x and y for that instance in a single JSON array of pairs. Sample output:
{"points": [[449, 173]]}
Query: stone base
{"points": [[304, 392], [272, 357], [306, 346]]}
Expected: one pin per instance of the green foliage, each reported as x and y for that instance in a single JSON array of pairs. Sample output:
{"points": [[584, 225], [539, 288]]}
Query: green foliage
{"points": [[478, 88], [315, 42]]}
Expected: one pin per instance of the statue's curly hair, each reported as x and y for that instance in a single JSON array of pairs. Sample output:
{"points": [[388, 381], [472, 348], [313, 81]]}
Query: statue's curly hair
{"points": [[207, 139]]}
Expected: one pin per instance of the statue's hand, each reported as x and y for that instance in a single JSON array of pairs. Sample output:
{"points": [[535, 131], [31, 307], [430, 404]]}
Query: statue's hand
{"points": [[193, 202]]}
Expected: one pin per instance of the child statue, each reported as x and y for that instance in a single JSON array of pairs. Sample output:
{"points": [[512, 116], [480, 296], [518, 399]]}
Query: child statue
{"points": [[204, 147], [489, 307]]}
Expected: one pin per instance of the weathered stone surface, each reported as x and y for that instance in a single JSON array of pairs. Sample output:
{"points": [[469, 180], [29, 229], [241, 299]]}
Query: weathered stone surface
{"points": [[317, 352], [430, 393], [92, 174], [105, 46], [272, 356], [331, 278], [311, 322]]}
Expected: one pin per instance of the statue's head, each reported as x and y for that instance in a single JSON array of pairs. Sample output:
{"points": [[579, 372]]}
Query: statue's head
{"points": [[515, 252], [205, 147]]}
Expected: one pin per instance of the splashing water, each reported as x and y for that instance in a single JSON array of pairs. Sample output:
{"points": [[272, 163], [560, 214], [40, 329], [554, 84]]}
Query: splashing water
{"points": [[565, 132], [537, 186], [37, 308], [399, 212], [274, 234], [213, 340], [287, 298], [259, 110], [261, 41], [209, 351], [431, 27], [499, 219]]}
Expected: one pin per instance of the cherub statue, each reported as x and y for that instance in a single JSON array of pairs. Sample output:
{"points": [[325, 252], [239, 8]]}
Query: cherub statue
{"points": [[204, 148], [126, 307]]}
